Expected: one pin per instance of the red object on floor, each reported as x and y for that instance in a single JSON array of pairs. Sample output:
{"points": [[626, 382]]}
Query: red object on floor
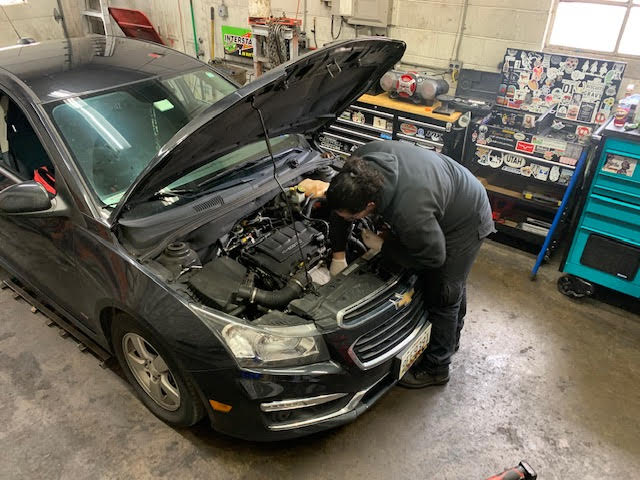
{"points": [[135, 24]]}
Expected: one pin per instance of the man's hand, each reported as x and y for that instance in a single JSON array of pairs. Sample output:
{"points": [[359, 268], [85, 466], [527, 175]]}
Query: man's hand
{"points": [[314, 188], [371, 240], [338, 263]]}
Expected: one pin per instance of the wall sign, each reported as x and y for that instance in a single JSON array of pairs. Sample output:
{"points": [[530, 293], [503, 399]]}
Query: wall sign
{"points": [[581, 89], [237, 41]]}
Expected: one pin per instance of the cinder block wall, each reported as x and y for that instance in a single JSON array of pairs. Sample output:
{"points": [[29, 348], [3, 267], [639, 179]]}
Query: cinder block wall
{"points": [[428, 26]]}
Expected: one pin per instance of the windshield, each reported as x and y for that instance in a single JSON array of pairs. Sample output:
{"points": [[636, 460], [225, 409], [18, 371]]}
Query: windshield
{"points": [[114, 135]]}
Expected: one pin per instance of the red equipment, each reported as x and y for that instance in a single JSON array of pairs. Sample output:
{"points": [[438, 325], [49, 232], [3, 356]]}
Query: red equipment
{"points": [[522, 472], [135, 24]]}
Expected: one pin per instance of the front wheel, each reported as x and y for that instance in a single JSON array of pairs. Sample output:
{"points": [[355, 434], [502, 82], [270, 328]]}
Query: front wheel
{"points": [[157, 380]]}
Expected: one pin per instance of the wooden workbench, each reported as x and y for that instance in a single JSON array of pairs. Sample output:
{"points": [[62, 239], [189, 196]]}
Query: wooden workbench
{"points": [[384, 101]]}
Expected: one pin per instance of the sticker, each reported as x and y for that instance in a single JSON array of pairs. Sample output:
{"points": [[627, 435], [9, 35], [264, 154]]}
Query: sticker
{"points": [[568, 160], [529, 121], [386, 136], [519, 136], [514, 161], [408, 129], [572, 112], [586, 112], [525, 147], [565, 176], [163, 105], [510, 170], [495, 161], [582, 132], [594, 67], [379, 122], [526, 171], [511, 91], [358, 117], [611, 90], [554, 174], [420, 132], [237, 41], [533, 85], [577, 75], [620, 165], [484, 158], [540, 172], [570, 64]]}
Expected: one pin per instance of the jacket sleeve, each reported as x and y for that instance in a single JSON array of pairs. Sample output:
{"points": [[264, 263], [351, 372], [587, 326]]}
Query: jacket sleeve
{"points": [[418, 246]]}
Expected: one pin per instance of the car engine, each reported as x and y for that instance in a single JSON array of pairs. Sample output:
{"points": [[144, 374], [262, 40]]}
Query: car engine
{"points": [[267, 260]]}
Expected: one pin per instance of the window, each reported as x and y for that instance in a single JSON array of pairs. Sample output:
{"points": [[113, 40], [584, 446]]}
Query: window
{"points": [[21, 152], [611, 26], [113, 135]]}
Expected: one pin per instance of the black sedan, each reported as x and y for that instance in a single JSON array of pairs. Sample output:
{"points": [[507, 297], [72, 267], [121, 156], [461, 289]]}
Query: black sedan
{"points": [[157, 207]]}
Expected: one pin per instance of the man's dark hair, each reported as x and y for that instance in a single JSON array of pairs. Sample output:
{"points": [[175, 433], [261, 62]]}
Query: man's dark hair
{"points": [[357, 184]]}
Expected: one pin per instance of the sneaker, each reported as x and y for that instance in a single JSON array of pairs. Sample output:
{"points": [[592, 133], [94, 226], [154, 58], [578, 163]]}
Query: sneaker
{"points": [[419, 377]]}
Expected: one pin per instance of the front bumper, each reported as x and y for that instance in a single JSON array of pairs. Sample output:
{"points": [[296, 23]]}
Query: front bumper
{"points": [[277, 404]]}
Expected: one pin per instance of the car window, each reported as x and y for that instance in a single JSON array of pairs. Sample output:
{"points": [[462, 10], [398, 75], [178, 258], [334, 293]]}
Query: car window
{"points": [[114, 135], [21, 151], [195, 89]]}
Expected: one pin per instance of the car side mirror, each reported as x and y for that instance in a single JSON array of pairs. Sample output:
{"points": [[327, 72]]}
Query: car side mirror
{"points": [[24, 197]]}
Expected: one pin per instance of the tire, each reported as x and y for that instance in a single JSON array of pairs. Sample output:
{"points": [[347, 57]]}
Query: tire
{"points": [[154, 375]]}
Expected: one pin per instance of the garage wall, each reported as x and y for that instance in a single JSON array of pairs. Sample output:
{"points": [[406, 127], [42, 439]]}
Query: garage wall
{"points": [[33, 19], [428, 26]]}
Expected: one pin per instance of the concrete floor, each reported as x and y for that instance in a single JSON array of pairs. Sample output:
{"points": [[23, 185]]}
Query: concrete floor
{"points": [[538, 377]]}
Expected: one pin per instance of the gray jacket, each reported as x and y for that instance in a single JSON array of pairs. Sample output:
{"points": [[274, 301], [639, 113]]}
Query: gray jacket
{"points": [[434, 205]]}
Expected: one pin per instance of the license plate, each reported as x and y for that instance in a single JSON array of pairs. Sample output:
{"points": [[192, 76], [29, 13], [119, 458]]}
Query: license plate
{"points": [[413, 351]]}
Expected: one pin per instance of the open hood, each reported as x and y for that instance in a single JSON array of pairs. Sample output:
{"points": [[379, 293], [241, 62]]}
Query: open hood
{"points": [[301, 96]]}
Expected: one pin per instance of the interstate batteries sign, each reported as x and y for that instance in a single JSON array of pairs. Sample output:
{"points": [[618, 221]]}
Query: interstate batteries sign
{"points": [[237, 41]]}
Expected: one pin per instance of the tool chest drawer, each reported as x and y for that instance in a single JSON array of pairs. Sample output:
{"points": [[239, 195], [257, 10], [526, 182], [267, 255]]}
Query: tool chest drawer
{"points": [[609, 214]]}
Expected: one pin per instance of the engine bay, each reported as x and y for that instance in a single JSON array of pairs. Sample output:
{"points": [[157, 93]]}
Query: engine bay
{"points": [[275, 255]]}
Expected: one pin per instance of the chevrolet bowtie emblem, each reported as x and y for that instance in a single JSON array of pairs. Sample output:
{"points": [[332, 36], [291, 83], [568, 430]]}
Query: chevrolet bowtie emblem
{"points": [[401, 300]]}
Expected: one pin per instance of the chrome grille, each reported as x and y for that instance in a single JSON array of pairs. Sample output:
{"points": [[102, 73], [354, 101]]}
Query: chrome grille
{"points": [[391, 336]]}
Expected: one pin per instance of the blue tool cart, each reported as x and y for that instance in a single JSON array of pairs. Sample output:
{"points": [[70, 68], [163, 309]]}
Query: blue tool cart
{"points": [[605, 249]]}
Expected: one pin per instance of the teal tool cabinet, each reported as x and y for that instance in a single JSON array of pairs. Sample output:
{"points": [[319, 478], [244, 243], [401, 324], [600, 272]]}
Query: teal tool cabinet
{"points": [[605, 249]]}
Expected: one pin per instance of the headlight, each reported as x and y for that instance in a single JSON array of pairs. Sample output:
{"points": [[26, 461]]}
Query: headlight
{"points": [[267, 346]]}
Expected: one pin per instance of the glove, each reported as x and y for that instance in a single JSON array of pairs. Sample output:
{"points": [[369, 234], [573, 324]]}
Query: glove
{"points": [[371, 240], [313, 188], [337, 265]]}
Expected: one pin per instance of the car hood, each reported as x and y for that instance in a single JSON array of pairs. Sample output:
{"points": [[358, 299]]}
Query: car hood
{"points": [[301, 96]]}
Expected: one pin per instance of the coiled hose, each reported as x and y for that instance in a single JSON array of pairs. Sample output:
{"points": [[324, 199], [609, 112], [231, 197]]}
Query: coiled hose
{"points": [[276, 298]]}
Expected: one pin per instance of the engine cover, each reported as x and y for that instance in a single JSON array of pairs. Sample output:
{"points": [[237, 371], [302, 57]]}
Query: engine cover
{"points": [[278, 255]]}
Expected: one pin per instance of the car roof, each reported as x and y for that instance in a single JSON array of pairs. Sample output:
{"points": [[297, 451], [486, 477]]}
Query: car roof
{"points": [[58, 69]]}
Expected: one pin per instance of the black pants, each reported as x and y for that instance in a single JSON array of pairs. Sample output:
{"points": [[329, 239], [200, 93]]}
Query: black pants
{"points": [[446, 302]]}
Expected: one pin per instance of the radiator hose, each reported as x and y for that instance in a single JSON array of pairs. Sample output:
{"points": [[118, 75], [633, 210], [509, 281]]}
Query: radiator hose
{"points": [[276, 298]]}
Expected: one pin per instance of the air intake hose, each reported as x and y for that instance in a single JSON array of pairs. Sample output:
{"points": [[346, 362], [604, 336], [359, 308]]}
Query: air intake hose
{"points": [[277, 298]]}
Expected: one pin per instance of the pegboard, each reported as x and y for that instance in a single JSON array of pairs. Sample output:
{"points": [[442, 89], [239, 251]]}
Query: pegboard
{"points": [[580, 89]]}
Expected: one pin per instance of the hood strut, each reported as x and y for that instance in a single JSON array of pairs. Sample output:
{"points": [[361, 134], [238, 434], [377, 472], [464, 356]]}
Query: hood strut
{"points": [[284, 193]]}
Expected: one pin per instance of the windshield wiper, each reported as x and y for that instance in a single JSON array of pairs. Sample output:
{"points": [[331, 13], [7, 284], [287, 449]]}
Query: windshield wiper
{"points": [[196, 190]]}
